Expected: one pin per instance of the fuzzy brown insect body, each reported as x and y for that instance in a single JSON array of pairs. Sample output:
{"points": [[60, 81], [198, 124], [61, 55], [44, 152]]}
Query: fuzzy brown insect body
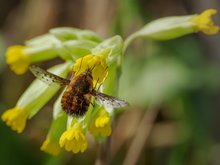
{"points": [[79, 91], [77, 96]]}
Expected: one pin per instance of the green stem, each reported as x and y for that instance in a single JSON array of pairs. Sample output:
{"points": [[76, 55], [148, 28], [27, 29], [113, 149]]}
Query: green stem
{"points": [[129, 40]]}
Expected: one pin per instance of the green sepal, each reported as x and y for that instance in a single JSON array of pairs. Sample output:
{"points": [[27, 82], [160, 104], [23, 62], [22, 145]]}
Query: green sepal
{"points": [[168, 28], [58, 126], [74, 49], [45, 39], [41, 48], [67, 33], [39, 93], [41, 53], [110, 48]]}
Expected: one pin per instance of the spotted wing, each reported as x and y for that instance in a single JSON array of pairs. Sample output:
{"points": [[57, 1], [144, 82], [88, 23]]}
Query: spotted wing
{"points": [[47, 77], [109, 101]]}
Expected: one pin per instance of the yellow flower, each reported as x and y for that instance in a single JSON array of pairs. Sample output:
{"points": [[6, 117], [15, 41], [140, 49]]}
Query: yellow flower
{"points": [[74, 139], [94, 62], [204, 22], [101, 124], [17, 59], [15, 118], [50, 147]]}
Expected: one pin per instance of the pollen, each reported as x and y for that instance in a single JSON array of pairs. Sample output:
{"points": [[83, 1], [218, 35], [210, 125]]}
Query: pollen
{"points": [[74, 139], [15, 118], [96, 63], [205, 23], [17, 59]]}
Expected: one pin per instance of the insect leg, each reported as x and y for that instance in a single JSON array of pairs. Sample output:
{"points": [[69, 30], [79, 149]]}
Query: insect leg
{"points": [[92, 105]]}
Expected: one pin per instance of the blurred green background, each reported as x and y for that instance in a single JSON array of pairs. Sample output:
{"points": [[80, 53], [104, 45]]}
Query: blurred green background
{"points": [[173, 86]]}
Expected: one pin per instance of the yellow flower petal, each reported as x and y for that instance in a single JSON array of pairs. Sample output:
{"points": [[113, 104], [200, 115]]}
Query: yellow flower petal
{"points": [[101, 121], [94, 62], [204, 22], [50, 147], [15, 118], [17, 59], [101, 124], [74, 139]]}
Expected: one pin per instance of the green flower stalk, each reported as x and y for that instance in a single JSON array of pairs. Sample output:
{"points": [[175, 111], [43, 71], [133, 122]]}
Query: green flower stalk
{"points": [[82, 50]]}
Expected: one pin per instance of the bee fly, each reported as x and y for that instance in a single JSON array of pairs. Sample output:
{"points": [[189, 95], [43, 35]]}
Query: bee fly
{"points": [[79, 91]]}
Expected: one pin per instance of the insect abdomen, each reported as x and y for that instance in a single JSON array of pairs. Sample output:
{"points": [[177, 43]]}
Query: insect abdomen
{"points": [[75, 100]]}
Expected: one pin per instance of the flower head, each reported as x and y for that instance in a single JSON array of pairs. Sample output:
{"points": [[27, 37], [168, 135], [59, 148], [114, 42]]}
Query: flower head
{"points": [[87, 53], [50, 147], [15, 118], [204, 22], [74, 139], [17, 59], [101, 124], [94, 62]]}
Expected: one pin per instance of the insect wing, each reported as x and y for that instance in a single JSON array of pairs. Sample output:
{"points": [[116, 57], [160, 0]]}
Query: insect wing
{"points": [[47, 77], [109, 101]]}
